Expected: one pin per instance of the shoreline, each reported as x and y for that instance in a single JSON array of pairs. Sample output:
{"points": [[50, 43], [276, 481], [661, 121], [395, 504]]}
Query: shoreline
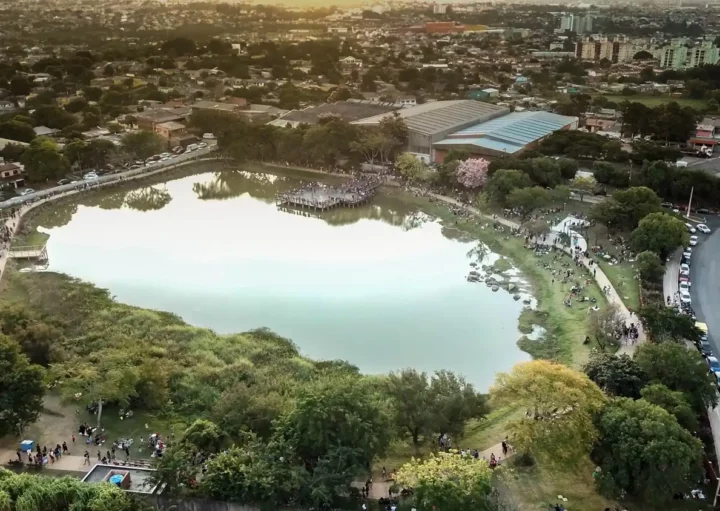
{"points": [[562, 343]]}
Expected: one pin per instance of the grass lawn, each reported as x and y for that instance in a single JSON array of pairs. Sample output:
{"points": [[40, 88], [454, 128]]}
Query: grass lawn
{"points": [[698, 104], [622, 275]]}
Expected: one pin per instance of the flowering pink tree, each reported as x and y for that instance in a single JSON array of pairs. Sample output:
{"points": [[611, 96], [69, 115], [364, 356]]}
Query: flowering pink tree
{"points": [[472, 173]]}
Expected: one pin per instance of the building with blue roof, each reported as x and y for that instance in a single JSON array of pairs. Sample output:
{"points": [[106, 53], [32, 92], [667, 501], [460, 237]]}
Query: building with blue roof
{"points": [[504, 136]]}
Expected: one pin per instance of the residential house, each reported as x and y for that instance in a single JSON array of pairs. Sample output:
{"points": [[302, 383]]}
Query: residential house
{"points": [[170, 129]]}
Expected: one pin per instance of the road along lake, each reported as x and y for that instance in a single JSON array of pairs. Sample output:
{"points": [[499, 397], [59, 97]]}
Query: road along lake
{"points": [[382, 286]]}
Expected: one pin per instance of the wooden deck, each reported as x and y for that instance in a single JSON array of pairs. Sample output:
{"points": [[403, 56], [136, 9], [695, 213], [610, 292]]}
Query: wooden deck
{"points": [[36, 252], [321, 197]]}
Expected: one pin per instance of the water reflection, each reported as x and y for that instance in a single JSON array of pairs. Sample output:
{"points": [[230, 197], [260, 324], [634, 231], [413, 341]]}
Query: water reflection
{"points": [[148, 199], [382, 286]]}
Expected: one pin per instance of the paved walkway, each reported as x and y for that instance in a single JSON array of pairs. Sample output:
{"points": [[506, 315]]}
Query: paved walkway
{"points": [[670, 278], [67, 462], [600, 277]]}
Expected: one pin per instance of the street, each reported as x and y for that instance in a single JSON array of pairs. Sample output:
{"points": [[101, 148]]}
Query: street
{"points": [[705, 293], [17, 201]]}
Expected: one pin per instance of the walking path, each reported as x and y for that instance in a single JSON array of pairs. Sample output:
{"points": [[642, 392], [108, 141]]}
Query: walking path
{"points": [[67, 462]]}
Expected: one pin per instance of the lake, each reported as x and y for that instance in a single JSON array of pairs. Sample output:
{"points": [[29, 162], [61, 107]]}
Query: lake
{"points": [[383, 286]]}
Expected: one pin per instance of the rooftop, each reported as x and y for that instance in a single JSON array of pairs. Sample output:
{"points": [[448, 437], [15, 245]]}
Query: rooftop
{"points": [[171, 126], [510, 133], [348, 110], [211, 105], [140, 478], [435, 117], [160, 115]]}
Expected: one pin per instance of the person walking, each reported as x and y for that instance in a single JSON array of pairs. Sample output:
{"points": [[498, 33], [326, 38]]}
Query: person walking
{"points": [[87, 458]]}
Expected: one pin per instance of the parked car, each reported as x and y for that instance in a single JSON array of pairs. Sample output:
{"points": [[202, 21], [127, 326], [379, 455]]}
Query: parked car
{"points": [[705, 348], [714, 364], [63, 182], [690, 228], [687, 255], [703, 211], [202, 145], [703, 228], [208, 136], [685, 297], [685, 279], [693, 240], [90, 176], [27, 191], [684, 287]]}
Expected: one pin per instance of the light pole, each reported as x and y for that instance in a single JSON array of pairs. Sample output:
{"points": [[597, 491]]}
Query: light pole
{"points": [[687, 213]]}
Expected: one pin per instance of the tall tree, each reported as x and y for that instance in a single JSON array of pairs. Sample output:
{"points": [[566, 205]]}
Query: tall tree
{"points": [[667, 324], [650, 266], [559, 403], [660, 233], [616, 375], [680, 370], [644, 452], [412, 404], [503, 182], [448, 481], [143, 144], [21, 388], [528, 200], [335, 412], [673, 403]]}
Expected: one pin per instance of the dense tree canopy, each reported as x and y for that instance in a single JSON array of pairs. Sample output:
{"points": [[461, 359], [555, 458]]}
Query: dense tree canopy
{"points": [[23, 492], [616, 375], [680, 370], [644, 452], [559, 404], [660, 233], [21, 388], [448, 481], [423, 406], [667, 324]]}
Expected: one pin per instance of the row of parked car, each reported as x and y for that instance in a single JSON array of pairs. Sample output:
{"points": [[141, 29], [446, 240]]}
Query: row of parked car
{"points": [[684, 282]]}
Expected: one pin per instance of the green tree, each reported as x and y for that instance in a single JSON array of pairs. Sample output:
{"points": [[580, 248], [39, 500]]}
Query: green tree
{"points": [[681, 370], [635, 204], [75, 105], [14, 130], [244, 407], [503, 182], [616, 375], [660, 233], [527, 200], [35, 335], [204, 435], [650, 266], [21, 388], [667, 324], [410, 167], [142, 144], [43, 161], [568, 167], [644, 452], [454, 402], [448, 481], [412, 404], [559, 402], [105, 376], [672, 402], [255, 473], [335, 412], [583, 185]]}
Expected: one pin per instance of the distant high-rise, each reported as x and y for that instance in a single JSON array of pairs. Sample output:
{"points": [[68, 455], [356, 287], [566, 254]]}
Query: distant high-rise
{"points": [[577, 24]]}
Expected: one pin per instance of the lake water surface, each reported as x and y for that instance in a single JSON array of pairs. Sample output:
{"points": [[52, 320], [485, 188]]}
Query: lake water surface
{"points": [[382, 286]]}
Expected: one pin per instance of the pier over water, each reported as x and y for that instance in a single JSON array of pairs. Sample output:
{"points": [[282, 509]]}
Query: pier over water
{"points": [[321, 197]]}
